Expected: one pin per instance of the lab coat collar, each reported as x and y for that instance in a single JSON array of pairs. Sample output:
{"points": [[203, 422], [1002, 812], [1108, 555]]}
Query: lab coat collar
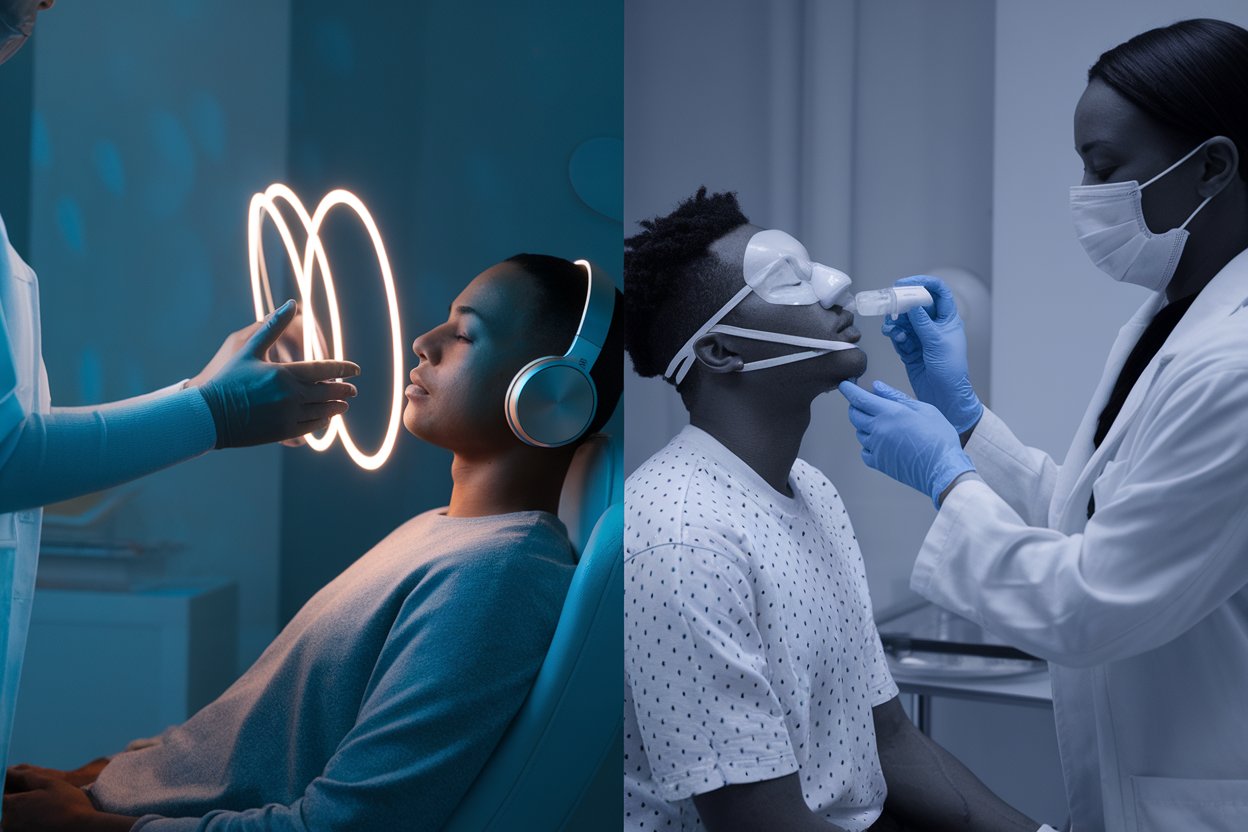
{"points": [[1225, 294]]}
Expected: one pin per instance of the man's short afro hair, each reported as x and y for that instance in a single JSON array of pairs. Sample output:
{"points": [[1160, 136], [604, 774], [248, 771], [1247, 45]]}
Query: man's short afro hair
{"points": [[670, 283]]}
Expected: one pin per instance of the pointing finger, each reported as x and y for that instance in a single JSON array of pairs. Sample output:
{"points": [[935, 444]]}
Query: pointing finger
{"points": [[860, 399], [323, 370], [329, 390], [271, 329]]}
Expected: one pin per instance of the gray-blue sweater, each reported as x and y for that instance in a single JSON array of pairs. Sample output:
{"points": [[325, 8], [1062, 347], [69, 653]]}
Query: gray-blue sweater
{"points": [[379, 703]]}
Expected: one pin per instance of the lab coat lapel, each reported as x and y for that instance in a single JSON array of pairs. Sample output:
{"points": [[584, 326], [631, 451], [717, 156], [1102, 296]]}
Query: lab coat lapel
{"points": [[1223, 296], [1082, 451]]}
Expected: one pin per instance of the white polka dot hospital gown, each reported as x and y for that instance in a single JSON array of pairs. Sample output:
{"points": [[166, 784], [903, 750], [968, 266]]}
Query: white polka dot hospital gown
{"points": [[750, 651]]}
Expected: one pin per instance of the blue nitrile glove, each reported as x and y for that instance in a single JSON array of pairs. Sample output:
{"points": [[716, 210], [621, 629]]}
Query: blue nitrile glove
{"points": [[932, 345], [908, 440], [254, 401]]}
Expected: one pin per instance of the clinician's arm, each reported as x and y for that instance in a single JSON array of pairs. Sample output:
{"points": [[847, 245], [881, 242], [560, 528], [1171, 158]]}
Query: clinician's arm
{"points": [[245, 400], [1023, 476], [761, 807], [929, 789], [932, 347], [56, 456], [133, 400], [1163, 550]]}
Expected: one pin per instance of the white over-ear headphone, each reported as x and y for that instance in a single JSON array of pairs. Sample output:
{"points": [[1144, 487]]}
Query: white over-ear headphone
{"points": [[552, 400]]}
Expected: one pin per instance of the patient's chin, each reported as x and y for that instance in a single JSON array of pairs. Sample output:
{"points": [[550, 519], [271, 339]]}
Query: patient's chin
{"points": [[847, 365], [411, 422]]}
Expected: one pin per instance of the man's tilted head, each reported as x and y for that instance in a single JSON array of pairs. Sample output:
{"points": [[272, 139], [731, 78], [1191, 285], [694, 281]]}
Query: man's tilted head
{"points": [[683, 268], [523, 308]]}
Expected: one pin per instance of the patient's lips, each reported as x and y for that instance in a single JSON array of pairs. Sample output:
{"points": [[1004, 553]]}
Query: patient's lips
{"points": [[417, 388], [846, 331]]}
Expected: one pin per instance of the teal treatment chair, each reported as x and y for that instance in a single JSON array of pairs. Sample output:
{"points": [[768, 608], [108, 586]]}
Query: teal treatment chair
{"points": [[568, 731]]}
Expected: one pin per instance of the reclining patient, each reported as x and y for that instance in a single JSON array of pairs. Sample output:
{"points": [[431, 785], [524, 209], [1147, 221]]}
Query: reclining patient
{"points": [[378, 704], [757, 695]]}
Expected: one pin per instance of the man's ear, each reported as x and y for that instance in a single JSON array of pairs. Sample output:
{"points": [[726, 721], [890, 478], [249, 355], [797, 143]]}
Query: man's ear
{"points": [[714, 353]]}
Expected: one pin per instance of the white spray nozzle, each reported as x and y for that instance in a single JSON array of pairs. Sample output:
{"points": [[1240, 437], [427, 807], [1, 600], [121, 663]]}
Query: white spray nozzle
{"points": [[894, 302]]}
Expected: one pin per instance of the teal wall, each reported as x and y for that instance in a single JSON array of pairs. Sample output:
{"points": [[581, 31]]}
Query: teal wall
{"points": [[459, 129], [16, 91]]}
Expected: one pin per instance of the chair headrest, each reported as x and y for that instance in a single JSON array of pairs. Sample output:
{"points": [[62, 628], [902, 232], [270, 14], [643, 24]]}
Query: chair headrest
{"points": [[589, 488]]}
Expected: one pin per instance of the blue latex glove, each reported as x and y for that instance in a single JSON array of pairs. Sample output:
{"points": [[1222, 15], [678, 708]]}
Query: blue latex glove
{"points": [[908, 440], [254, 401], [932, 345]]}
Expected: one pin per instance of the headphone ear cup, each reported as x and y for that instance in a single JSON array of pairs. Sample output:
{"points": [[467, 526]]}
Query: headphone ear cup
{"points": [[551, 402]]}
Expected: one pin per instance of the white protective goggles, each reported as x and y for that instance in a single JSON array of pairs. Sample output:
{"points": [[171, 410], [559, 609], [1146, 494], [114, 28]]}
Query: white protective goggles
{"points": [[779, 270]]}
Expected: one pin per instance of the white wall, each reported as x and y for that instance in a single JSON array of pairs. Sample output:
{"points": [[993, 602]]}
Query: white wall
{"points": [[154, 123], [705, 103]]}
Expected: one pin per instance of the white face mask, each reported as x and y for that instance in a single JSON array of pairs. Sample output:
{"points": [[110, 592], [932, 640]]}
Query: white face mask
{"points": [[1109, 221], [17, 21], [779, 270]]}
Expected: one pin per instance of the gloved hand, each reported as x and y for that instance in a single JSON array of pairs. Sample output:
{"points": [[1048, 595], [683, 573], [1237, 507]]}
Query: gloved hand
{"points": [[934, 352], [288, 345], [254, 401], [908, 440]]}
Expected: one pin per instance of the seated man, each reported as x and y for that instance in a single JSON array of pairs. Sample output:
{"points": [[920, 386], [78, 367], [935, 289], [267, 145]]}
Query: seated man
{"points": [[379, 703], [757, 695]]}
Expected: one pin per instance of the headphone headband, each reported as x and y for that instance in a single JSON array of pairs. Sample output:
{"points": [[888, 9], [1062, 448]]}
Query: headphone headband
{"points": [[591, 332]]}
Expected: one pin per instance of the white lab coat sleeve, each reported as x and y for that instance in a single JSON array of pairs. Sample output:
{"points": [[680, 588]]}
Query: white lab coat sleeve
{"points": [[55, 456], [1023, 476], [1167, 545], [11, 410]]}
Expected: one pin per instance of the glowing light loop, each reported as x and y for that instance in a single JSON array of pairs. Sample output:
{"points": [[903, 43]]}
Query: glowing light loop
{"points": [[302, 264]]}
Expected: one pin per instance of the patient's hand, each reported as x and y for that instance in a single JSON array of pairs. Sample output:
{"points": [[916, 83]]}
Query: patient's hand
{"points": [[87, 774], [84, 775], [36, 803]]}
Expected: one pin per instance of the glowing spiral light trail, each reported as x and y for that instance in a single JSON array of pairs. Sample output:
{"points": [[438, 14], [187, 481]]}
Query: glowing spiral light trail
{"points": [[314, 254]]}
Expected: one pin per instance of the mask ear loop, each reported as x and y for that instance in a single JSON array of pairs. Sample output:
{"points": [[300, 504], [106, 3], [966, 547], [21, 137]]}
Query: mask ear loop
{"points": [[1189, 155]]}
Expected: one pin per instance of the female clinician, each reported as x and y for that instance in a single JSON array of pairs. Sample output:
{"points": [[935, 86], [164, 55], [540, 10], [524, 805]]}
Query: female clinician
{"points": [[49, 454], [1126, 565]]}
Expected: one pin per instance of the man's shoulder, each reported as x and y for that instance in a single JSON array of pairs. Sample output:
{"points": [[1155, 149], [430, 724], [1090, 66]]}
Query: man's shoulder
{"points": [[666, 477], [479, 549], [812, 482]]}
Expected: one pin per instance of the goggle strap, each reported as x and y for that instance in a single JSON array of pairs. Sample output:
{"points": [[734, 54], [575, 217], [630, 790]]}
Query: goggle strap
{"points": [[783, 338], [683, 359], [783, 359]]}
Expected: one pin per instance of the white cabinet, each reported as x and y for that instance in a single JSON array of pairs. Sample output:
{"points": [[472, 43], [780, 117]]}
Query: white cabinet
{"points": [[104, 668]]}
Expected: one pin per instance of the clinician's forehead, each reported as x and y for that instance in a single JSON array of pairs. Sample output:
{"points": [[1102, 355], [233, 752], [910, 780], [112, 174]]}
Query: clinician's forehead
{"points": [[1106, 119]]}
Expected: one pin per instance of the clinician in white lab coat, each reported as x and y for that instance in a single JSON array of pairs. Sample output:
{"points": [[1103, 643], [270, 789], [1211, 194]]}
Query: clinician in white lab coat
{"points": [[49, 454], [1126, 565]]}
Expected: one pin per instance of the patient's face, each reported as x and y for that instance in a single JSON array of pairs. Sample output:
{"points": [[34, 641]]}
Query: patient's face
{"points": [[467, 363], [813, 321]]}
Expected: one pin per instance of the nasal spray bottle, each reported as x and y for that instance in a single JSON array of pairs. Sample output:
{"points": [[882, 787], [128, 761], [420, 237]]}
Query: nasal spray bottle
{"points": [[892, 302]]}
